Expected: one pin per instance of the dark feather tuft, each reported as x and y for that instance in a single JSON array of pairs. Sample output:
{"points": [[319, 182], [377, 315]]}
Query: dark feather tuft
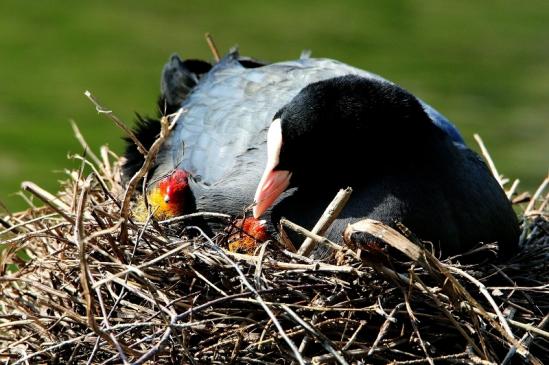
{"points": [[178, 79], [146, 130]]}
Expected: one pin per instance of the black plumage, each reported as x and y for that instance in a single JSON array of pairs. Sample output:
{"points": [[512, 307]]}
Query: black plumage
{"points": [[146, 130], [351, 131]]}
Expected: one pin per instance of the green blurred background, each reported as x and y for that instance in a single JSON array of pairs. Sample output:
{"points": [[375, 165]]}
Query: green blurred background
{"points": [[485, 65]]}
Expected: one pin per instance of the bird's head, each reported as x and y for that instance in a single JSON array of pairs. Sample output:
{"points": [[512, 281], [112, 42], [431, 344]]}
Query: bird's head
{"points": [[167, 196], [322, 135]]}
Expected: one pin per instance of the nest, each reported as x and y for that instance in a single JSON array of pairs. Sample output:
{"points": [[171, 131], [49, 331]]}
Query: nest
{"points": [[84, 283]]}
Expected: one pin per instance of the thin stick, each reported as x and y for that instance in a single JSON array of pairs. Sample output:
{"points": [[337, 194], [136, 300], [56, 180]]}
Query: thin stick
{"points": [[166, 128], [317, 266], [119, 123], [413, 322], [106, 163], [354, 336], [52, 201], [26, 199], [212, 46], [14, 227], [512, 189], [8, 227], [259, 267], [525, 340], [5, 209], [488, 159], [451, 359], [330, 214], [42, 287], [138, 268], [382, 330], [537, 194], [77, 181], [544, 204], [328, 358], [324, 341], [40, 233], [447, 313], [50, 348], [484, 291], [84, 144], [185, 217], [306, 339], [315, 237], [98, 177], [205, 279], [525, 326]]}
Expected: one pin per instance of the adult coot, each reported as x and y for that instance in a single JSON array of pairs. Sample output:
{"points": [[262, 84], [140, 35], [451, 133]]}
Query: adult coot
{"points": [[376, 137], [330, 125]]}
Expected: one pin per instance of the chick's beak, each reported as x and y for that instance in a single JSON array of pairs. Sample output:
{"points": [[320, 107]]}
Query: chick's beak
{"points": [[167, 196], [273, 182]]}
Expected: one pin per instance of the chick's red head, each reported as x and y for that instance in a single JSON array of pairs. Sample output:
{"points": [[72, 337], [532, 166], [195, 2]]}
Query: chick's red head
{"points": [[167, 197], [249, 233]]}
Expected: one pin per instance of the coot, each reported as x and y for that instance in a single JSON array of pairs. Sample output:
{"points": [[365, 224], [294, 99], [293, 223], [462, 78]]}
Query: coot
{"points": [[330, 125]]}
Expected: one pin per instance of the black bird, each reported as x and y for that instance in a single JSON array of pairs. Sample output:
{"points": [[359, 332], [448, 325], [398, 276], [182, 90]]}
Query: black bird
{"points": [[377, 138], [329, 126]]}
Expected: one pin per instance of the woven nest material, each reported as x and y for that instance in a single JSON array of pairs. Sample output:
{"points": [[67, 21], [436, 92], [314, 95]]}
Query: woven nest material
{"points": [[97, 287]]}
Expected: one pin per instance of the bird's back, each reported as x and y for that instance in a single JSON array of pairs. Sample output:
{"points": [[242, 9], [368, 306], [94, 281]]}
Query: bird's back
{"points": [[224, 126]]}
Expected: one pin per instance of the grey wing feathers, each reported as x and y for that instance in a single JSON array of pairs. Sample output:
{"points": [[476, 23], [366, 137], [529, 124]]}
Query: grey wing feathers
{"points": [[231, 108]]}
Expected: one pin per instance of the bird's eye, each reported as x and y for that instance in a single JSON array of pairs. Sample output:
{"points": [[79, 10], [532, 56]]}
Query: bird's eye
{"points": [[166, 198]]}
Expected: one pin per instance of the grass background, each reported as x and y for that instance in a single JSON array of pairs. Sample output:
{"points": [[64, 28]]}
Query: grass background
{"points": [[485, 65]]}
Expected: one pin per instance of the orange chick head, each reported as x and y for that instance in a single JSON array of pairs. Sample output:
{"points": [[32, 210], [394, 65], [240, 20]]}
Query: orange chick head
{"points": [[167, 197]]}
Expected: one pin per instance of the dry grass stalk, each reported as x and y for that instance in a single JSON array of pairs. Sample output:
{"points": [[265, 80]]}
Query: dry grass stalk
{"points": [[489, 160], [212, 46], [327, 218], [119, 123]]}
